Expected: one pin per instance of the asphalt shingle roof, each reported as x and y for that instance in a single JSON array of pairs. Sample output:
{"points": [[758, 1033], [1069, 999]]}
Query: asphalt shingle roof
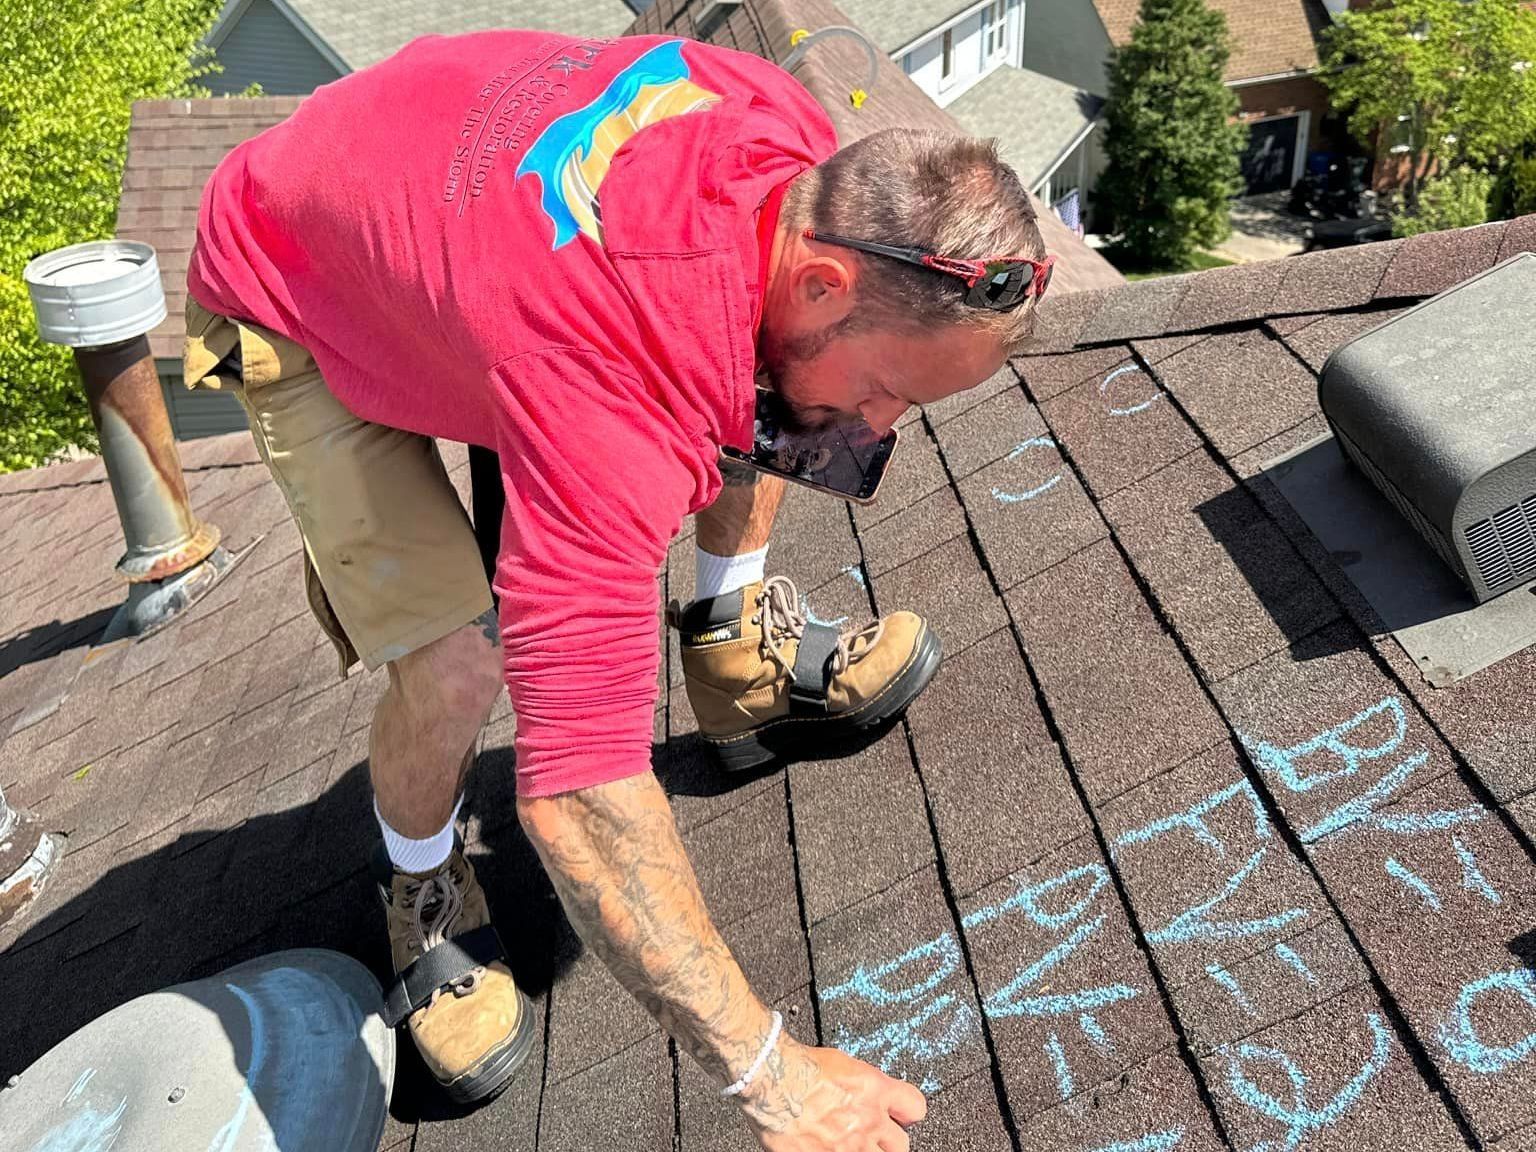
{"points": [[1177, 852], [894, 26], [1269, 37], [363, 32], [1034, 117], [173, 147]]}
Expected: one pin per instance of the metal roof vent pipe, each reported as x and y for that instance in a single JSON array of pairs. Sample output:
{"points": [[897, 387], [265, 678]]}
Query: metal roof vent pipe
{"points": [[1438, 409], [101, 298]]}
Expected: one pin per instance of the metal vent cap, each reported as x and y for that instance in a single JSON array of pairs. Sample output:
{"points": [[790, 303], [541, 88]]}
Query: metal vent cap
{"points": [[97, 293]]}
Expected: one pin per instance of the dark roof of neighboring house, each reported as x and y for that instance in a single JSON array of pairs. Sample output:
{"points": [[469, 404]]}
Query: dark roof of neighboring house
{"points": [[1036, 119], [1064, 838], [1269, 37], [363, 32], [173, 147]]}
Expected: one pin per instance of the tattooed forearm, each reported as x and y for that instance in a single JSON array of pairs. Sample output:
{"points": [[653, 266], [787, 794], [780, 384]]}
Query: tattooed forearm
{"points": [[620, 869]]}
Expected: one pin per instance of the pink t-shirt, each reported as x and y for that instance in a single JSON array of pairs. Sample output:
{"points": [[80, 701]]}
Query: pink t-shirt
{"points": [[549, 247]]}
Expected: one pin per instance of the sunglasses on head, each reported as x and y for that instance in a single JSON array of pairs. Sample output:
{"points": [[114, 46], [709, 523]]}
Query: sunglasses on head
{"points": [[997, 283]]}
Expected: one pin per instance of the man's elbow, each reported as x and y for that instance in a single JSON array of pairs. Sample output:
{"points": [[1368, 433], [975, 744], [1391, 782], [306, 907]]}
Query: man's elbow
{"points": [[544, 818]]}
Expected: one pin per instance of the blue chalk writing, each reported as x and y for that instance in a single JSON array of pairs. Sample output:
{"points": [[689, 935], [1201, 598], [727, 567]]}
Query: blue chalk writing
{"points": [[1058, 1058], [1151, 1142], [1364, 806], [855, 572], [805, 609], [1288, 954], [1459, 1035], [1300, 1117], [1417, 823], [907, 1038], [1287, 762], [1095, 1032], [1219, 974], [1029, 897], [1193, 818], [1194, 923], [868, 983], [1135, 408], [1400, 871], [1009, 1001], [1472, 878], [1018, 450]]}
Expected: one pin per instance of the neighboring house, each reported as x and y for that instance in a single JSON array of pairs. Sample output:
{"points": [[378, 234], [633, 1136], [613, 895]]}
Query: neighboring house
{"points": [[294, 46], [1273, 70], [1035, 73], [969, 58]]}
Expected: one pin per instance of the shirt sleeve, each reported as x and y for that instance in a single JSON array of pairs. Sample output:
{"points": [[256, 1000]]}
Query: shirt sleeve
{"points": [[598, 477]]}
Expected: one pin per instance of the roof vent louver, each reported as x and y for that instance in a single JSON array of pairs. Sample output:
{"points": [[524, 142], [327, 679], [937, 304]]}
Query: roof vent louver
{"points": [[1438, 409]]}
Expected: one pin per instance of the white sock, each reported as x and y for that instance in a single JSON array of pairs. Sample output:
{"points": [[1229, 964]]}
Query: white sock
{"points": [[717, 575], [418, 855]]}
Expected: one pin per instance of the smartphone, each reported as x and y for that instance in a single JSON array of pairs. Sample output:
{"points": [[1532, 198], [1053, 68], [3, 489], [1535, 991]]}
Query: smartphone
{"points": [[846, 460]]}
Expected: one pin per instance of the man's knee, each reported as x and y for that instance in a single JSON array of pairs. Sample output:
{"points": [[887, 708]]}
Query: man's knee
{"points": [[461, 672]]}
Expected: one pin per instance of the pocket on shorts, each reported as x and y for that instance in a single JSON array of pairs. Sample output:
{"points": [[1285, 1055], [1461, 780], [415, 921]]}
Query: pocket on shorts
{"points": [[210, 338]]}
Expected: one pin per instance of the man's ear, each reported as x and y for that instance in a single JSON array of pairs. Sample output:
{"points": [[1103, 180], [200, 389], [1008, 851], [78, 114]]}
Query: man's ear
{"points": [[823, 287]]}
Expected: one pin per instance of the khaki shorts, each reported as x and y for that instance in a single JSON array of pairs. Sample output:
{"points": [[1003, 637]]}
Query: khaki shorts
{"points": [[390, 559]]}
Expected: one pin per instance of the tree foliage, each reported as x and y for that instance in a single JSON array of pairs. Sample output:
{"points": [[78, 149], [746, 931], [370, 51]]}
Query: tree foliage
{"points": [[1454, 199], [1447, 82], [72, 70], [1171, 142]]}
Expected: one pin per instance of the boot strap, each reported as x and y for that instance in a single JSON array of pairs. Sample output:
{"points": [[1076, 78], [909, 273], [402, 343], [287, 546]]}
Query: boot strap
{"points": [[808, 690], [448, 963]]}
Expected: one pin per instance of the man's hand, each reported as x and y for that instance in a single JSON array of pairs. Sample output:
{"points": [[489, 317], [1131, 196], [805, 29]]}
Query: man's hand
{"points": [[820, 1100], [615, 858]]}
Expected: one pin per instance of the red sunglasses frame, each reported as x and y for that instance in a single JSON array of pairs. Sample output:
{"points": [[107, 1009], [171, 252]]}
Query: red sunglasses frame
{"points": [[974, 272]]}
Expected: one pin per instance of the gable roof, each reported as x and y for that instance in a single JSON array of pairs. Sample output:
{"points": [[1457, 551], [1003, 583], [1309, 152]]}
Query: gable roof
{"points": [[356, 33], [173, 147], [894, 26], [1269, 37], [1036, 119]]}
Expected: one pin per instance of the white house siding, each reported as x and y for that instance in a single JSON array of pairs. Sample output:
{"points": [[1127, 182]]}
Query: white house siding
{"points": [[925, 62], [264, 47]]}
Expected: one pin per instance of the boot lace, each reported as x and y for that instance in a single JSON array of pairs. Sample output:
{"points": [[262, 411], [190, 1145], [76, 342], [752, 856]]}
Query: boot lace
{"points": [[782, 617], [434, 903]]}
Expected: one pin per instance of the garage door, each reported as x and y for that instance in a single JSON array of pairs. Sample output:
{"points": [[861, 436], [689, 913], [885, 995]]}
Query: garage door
{"points": [[1269, 160]]}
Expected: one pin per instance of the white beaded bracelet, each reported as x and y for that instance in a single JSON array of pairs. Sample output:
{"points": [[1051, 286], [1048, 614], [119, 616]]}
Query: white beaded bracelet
{"points": [[750, 1074]]}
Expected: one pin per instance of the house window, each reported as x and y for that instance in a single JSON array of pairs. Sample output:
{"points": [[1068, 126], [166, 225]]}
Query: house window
{"points": [[994, 23], [947, 57]]}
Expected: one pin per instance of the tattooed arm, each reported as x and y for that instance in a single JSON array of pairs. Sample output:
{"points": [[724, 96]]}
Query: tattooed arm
{"points": [[621, 871]]}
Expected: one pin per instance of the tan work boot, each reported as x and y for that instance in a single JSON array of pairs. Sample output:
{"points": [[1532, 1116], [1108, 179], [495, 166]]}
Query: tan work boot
{"points": [[767, 684], [471, 1023]]}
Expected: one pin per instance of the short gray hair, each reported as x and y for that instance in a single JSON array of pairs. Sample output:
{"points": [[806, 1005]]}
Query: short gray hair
{"points": [[912, 187]]}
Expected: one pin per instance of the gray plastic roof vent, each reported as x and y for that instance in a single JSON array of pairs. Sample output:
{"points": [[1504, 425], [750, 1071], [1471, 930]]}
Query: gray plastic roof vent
{"points": [[1438, 409]]}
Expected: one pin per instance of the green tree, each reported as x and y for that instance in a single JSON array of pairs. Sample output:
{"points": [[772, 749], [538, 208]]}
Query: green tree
{"points": [[1454, 199], [1442, 82], [72, 69], [1171, 141]]}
